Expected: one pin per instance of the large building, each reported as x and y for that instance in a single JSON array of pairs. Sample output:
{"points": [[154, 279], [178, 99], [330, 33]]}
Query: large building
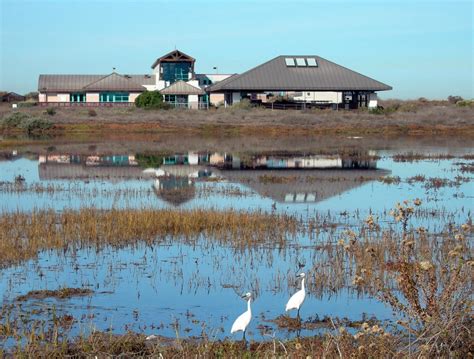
{"points": [[308, 80]]}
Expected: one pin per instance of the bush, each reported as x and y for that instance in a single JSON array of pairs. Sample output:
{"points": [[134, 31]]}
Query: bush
{"points": [[92, 113], [31, 125], [26, 123], [14, 120], [465, 103], [50, 111], [244, 104], [455, 99], [151, 99]]}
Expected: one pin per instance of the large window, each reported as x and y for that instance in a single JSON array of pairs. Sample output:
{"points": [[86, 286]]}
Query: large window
{"points": [[175, 71], [114, 97], [78, 97]]}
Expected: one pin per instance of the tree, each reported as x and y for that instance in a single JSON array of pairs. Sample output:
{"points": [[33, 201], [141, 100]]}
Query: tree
{"points": [[151, 99]]}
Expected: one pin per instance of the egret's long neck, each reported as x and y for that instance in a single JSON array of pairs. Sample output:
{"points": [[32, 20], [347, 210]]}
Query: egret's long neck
{"points": [[302, 284], [248, 305]]}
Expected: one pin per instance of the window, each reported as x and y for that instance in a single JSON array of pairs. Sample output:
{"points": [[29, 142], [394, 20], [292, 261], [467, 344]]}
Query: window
{"points": [[312, 62], [300, 61], [78, 97], [175, 71], [114, 97], [289, 61], [170, 98]]}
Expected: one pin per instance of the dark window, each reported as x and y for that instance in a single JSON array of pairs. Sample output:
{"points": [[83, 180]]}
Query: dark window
{"points": [[175, 71]]}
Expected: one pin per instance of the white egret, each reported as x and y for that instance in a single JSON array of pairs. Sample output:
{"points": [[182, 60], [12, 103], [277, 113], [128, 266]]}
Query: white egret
{"points": [[243, 320], [297, 299]]}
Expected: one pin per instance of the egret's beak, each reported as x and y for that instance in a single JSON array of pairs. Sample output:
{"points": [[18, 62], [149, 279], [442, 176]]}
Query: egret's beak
{"points": [[244, 296]]}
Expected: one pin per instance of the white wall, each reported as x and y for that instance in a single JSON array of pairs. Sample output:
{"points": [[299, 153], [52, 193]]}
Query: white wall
{"points": [[319, 96], [236, 97], [372, 100]]}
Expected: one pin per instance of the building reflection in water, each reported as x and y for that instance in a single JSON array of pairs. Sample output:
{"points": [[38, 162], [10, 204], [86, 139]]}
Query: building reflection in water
{"points": [[298, 178]]}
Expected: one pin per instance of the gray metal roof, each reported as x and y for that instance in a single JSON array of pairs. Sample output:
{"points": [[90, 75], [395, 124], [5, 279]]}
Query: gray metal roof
{"points": [[275, 75], [182, 88], [309, 185], [68, 83], [114, 82]]}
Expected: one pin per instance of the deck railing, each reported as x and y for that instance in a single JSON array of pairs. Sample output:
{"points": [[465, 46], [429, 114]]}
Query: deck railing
{"points": [[189, 105], [86, 104]]}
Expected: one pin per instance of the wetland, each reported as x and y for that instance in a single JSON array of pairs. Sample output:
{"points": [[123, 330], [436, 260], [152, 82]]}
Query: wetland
{"points": [[142, 245]]}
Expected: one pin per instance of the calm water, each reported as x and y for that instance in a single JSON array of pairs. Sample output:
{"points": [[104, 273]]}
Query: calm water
{"points": [[151, 288]]}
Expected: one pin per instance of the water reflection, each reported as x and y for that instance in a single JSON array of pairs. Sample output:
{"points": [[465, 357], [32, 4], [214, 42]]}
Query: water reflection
{"points": [[184, 277], [285, 177]]}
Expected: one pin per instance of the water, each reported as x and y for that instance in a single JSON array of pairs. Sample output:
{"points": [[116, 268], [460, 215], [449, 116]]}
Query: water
{"points": [[191, 289]]}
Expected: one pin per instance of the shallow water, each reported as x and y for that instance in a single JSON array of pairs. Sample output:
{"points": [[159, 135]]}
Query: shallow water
{"points": [[151, 288]]}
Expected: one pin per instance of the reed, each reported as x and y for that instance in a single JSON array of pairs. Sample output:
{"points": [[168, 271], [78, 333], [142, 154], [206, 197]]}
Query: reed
{"points": [[23, 235]]}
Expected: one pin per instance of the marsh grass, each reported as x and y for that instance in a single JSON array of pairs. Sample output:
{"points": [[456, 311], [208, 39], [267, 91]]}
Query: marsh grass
{"points": [[425, 277], [61, 293], [23, 235]]}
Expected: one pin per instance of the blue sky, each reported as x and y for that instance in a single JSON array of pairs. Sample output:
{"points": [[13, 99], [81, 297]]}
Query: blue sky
{"points": [[421, 48]]}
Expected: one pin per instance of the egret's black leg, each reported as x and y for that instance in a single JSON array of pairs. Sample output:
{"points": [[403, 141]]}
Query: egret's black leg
{"points": [[243, 338], [298, 314]]}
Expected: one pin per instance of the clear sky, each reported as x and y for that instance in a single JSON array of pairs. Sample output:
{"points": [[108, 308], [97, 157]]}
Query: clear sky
{"points": [[421, 48]]}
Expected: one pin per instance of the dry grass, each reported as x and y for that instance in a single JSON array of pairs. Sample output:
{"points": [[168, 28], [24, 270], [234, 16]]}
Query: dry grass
{"points": [[23, 235], [426, 278], [411, 117], [61, 293]]}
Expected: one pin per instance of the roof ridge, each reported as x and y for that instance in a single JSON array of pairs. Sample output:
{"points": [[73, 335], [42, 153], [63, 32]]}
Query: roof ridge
{"points": [[109, 75]]}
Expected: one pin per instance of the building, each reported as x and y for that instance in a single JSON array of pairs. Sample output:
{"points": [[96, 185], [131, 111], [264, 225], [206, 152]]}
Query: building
{"points": [[302, 79], [309, 80], [172, 74], [11, 97]]}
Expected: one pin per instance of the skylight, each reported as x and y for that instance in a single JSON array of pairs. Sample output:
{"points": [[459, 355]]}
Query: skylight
{"points": [[300, 61], [311, 62], [290, 61]]}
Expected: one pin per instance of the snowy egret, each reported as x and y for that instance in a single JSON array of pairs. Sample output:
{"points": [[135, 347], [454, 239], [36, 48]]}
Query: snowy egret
{"points": [[297, 299], [243, 320]]}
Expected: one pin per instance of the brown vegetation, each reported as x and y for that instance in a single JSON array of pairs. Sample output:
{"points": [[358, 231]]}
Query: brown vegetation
{"points": [[61, 293], [425, 277], [23, 235], [398, 117]]}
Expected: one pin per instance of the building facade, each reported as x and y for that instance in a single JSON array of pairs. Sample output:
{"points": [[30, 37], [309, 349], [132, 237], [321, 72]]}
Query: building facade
{"points": [[298, 79]]}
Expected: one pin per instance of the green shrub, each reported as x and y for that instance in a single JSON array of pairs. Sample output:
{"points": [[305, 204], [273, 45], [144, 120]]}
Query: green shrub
{"points": [[151, 99], [380, 110], [244, 104], [50, 111], [14, 120], [31, 125], [465, 103], [27, 104]]}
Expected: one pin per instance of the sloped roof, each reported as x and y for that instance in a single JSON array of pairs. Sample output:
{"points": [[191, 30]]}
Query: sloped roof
{"points": [[114, 82], [56, 83], [275, 75], [174, 56], [182, 88], [308, 186]]}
